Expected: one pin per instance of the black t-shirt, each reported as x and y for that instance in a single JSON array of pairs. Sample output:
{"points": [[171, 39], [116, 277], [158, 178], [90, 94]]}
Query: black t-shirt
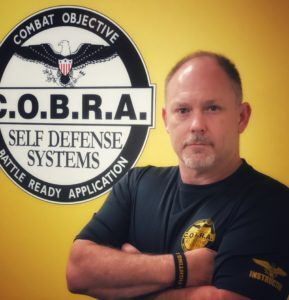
{"points": [[245, 218]]}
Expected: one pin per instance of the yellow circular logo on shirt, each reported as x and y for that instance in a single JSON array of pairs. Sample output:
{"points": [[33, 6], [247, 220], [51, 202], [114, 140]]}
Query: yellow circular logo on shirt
{"points": [[198, 235]]}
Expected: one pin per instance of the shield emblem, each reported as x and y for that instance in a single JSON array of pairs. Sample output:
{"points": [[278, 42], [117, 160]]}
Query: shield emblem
{"points": [[65, 65]]}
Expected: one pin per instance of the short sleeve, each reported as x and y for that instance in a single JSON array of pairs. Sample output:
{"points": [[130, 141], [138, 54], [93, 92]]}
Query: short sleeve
{"points": [[253, 257], [109, 226]]}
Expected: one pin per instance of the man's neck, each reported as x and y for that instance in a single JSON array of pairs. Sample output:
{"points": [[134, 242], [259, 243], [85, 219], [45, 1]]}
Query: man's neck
{"points": [[202, 176]]}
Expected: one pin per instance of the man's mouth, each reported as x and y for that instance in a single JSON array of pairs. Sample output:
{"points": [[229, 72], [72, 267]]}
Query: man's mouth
{"points": [[197, 141]]}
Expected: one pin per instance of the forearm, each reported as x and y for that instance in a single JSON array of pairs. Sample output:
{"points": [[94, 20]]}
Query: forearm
{"points": [[132, 292], [104, 272], [196, 293]]}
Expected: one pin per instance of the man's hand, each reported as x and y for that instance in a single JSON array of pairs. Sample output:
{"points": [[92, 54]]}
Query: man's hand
{"points": [[200, 266]]}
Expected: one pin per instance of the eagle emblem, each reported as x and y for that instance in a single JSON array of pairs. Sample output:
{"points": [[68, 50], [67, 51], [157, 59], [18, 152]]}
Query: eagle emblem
{"points": [[270, 269], [64, 61]]}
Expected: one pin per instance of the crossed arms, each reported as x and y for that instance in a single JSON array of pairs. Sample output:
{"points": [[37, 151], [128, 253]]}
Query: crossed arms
{"points": [[106, 273]]}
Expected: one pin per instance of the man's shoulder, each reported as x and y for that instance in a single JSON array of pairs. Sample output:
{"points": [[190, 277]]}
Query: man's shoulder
{"points": [[266, 183], [149, 179], [264, 189], [153, 173]]}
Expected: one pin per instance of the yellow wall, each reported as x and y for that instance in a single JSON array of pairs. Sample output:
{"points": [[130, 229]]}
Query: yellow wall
{"points": [[35, 236]]}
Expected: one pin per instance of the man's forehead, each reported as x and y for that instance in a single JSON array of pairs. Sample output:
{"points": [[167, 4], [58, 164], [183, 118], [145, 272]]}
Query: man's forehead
{"points": [[200, 78], [204, 72], [199, 74], [203, 65]]}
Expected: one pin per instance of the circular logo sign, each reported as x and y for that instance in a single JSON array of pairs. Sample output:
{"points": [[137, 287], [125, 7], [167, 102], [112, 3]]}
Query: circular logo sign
{"points": [[76, 104], [199, 235]]}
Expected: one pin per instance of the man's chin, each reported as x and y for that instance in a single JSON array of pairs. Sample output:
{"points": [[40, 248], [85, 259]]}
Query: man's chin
{"points": [[198, 162]]}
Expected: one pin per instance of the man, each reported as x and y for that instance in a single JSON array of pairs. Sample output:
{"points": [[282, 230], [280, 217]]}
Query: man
{"points": [[211, 228]]}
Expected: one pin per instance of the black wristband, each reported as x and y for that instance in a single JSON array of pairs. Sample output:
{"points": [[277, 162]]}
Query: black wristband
{"points": [[181, 269]]}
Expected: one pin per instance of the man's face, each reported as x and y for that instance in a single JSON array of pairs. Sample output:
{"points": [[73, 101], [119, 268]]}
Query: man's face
{"points": [[203, 116]]}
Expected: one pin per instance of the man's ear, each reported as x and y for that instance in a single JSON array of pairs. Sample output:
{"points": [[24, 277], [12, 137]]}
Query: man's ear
{"points": [[245, 113], [164, 115]]}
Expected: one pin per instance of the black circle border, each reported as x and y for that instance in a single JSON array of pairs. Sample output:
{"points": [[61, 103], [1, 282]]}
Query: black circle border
{"points": [[136, 69]]}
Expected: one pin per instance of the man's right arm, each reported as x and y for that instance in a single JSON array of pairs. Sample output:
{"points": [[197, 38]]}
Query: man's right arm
{"points": [[103, 272], [107, 273]]}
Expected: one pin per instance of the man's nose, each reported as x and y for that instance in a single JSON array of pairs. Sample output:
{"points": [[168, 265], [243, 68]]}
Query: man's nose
{"points": [[198, 122]]}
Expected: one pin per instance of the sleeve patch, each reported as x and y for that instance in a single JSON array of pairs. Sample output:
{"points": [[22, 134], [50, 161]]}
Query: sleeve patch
{"points": [[269, 273]]}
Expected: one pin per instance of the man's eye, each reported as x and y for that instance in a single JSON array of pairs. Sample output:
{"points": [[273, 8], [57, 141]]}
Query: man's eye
{"points": [[213, 108], [183, 110]]}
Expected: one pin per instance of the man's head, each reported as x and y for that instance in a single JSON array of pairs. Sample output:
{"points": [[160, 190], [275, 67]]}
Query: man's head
{"points": [[225, 63], [204, 113]]}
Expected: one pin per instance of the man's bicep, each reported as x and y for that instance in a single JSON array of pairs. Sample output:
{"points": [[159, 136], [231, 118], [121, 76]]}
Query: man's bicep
{"points": [[255, 268], [253, 257], [255, 278]]}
